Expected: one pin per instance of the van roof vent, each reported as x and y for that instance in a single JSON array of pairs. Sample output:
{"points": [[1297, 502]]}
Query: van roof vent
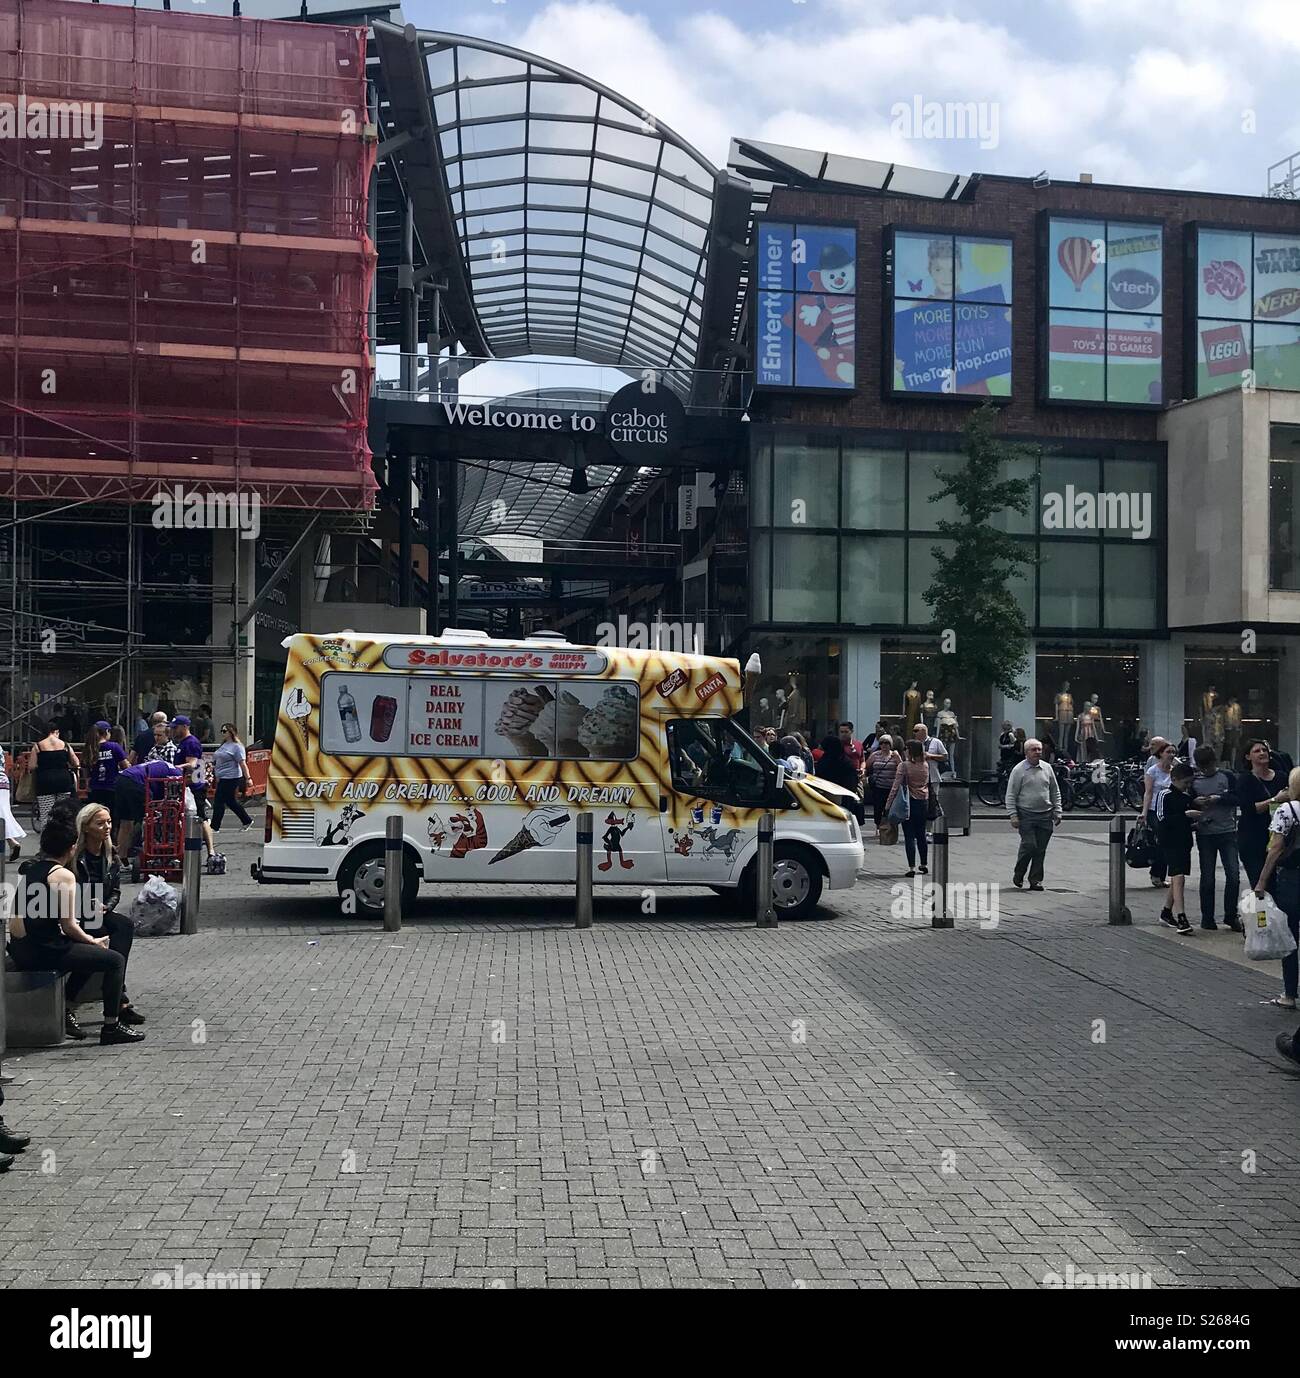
{"points": [[463, 634], [548, 636]]}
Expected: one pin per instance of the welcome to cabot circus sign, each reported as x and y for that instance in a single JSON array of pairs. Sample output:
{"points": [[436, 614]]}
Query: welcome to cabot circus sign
{"points": [[641, 427]]}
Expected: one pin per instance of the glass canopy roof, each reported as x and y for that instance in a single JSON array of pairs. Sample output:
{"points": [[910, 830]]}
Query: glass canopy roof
{"points": [[584, 222]]}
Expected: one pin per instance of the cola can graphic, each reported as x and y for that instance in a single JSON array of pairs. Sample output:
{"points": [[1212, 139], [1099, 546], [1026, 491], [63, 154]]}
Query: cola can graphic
{"points": [[697, 814], [383, 712], [715, 815]]}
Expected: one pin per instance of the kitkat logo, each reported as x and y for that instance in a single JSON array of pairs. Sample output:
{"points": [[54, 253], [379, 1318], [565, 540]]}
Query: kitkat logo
{"points": [[710, 687]]}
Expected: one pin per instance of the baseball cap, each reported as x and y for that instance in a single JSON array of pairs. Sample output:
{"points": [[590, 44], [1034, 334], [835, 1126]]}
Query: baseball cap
{"points": [[180, 720], [104, 726]]}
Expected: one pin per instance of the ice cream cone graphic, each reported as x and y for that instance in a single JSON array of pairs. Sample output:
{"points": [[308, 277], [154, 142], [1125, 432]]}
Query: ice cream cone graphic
{"points": [[515, 722], [298, 707], [539, 829]]}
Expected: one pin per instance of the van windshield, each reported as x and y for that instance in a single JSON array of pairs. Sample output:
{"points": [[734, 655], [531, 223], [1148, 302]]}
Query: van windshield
{"points": [[717, 758]]}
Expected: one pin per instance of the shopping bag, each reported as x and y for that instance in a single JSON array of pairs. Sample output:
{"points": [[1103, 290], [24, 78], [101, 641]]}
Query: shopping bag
{"points": [[25, 789], [1268, 939], [154, 910], [1140, 847], [901, 806], [887, 835]]}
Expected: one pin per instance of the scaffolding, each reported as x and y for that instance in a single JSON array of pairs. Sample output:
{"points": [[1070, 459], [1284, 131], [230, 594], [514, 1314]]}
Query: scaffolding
{"points": [[185, 287]]}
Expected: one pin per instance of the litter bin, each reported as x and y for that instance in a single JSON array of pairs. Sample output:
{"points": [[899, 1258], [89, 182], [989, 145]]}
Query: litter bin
{"points": [[954, 800]]}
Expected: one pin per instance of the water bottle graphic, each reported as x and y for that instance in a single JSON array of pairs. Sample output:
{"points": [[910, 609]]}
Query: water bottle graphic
{"points": [[348, 715]]}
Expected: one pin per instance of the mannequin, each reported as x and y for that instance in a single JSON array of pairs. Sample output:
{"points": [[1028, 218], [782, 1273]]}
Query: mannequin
{"points": [[911, 707], [949, 732], [764, 710], [1232, 734], [1207, 714], [929, 710], [1091, 729], [1065, 720], [780, 708], [793, 707]]}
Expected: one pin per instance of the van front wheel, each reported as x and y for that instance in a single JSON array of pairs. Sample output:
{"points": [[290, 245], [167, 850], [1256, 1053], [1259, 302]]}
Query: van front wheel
{"points": [[796, 882], [362, 877]]}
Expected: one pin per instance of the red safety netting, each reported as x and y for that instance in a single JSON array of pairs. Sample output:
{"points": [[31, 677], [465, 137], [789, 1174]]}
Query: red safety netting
{"points": [[185, 270]]}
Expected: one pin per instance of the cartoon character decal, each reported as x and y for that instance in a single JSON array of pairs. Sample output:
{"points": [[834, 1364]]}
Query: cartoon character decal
{"points": [[469, 830], [615, 829], [715, 840], [826, 324], [539, 829], [437, 832], [340, 834]]}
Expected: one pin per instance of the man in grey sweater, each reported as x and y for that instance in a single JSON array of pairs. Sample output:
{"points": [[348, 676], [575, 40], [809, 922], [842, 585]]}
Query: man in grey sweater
{"points": [[1034, 806], [1216, 836]]}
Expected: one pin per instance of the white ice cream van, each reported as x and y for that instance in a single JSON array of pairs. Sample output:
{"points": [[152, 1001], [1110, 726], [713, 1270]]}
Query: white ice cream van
{"points": [[490, 748]]}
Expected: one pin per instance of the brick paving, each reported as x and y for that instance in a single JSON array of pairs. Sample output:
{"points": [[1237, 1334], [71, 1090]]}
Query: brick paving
{"points": [[491, 1098]]}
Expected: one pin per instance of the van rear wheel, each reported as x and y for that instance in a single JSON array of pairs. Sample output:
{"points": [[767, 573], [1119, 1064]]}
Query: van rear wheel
{"points": [[362, 877]]}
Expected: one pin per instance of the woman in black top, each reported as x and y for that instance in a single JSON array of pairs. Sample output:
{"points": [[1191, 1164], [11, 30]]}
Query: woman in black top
{"points": [[1255, 787], [54, 764], [44, 934], [836, 767], [99, 882]]}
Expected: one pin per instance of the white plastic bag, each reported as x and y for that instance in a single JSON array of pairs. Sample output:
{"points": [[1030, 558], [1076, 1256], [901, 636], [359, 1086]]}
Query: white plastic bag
{"points": [[154, 910], [1268, 939]]}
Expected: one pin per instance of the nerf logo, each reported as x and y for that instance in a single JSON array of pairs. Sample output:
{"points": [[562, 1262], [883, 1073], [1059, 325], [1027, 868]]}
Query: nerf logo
{"points": [[710, 687], [1280, 302], [668, 687]]}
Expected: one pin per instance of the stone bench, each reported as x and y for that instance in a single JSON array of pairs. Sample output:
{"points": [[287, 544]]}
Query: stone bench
{"points": [[33, 1008]]}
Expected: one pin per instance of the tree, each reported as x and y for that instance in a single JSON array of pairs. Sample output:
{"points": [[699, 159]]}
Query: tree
{"points": [[981, 628]]}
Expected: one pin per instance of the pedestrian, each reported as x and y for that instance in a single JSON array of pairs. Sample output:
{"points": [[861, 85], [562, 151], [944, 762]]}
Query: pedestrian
{"points": [[1175, 815], [107, 759], [1020, 743], [914, 773], [881, 769], [1050, 750], [230, 766], [1256, 790], [146, 738], [203, 722], [809, 764], [11, 1141], [14, 832], [1155, 780], [164, 748], [99, 880], [1007, 746], [936, 758], [46, 936], [1034, 807], [852, 750], [55, 765], [1215, 793], [135, 785], [787, 752], [836, 767], [1281, 876]]}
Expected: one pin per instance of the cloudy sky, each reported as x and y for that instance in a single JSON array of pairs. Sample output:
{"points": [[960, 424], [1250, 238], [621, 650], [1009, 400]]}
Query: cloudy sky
{"points": [[1179, 93]]}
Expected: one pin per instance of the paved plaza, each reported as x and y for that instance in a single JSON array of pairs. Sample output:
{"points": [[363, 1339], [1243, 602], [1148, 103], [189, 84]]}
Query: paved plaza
{"points": [[493, 1098]]}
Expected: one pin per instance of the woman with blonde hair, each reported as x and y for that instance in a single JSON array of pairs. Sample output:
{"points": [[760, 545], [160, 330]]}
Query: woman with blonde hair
{"points": [[1282, 868], [98, 875]]}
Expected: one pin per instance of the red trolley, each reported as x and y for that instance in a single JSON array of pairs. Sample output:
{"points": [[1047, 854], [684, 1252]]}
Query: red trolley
{"points": [[163, 848]]}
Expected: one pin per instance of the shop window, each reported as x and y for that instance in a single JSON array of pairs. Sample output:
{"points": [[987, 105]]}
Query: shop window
{"points": [[805, 484], [1068, 579], [920, 575], [1105, 290], [1068, 677], [1136, 481], [1131, 587], [875, 488], [1284, 509], [871, 580], [1231, 698], [760, 484], [1064, 481], [803, 578], [927, 469], [1018, 523], [760, 575]]}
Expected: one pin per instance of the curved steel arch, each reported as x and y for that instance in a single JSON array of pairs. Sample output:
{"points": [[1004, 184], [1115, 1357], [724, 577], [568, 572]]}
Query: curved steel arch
{"points": [[583, 224]]}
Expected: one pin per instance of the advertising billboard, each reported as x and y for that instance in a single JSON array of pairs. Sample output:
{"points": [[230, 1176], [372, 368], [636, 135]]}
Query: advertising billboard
{"points": [[807, 306], [1105, 311], [950, 314], [1247, 308]]}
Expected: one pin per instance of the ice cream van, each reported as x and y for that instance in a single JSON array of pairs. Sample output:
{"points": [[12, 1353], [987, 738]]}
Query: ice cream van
{"points": [[489, 749]]}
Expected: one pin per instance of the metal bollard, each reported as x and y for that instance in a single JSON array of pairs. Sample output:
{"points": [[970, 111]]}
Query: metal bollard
{"points": [[582, 880], [393, 869], [4, 851], [1119, 911], [764, 907], [191, 871], [939, 874]]}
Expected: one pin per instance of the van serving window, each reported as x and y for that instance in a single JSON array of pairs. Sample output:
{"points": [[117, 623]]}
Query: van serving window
{"points": [[501, 660]]}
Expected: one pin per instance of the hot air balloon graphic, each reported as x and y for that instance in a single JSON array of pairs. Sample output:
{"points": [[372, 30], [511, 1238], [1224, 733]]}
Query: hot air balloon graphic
{"points": [[1075, 256]]}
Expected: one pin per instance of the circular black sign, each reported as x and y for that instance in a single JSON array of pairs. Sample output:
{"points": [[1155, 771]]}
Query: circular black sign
{"points": [[645, 425]]}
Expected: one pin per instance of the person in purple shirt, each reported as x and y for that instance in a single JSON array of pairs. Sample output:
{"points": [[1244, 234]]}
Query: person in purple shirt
{"points": [[129, 796], [189, 756], [108, 759]]}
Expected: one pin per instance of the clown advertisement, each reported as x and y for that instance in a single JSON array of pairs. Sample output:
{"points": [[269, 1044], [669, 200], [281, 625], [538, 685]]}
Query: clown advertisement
{"points": [[489, 750], [807, 306]]}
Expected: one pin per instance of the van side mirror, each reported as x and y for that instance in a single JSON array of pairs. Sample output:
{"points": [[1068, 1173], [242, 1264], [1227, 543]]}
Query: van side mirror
{"points": [[780, 776]]}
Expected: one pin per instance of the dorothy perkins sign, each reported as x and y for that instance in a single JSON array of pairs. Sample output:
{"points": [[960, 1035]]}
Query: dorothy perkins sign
{"points": [[642, 427]]}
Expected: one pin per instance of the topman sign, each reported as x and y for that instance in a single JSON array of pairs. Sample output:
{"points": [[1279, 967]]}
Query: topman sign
{"points": [[641, 427]]}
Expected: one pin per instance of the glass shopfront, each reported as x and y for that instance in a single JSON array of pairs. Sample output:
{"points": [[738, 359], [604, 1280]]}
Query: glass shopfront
{"points": [[1231, 698], [909, 693], [799, 690], [1086, 700]]}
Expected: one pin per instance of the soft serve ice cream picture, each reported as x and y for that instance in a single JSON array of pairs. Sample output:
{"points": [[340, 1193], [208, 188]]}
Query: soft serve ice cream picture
{"points": [[566, 722], [609, 730]]}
